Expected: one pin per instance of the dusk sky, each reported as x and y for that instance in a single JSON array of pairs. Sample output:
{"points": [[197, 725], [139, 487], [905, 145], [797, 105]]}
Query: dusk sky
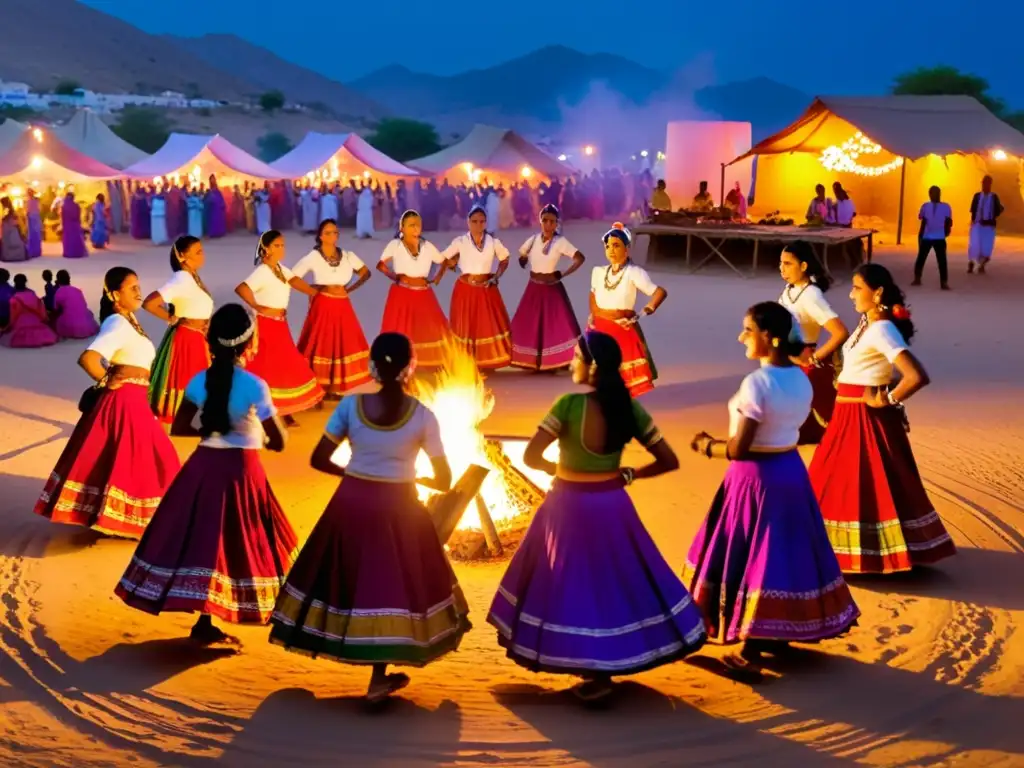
{"points": [[803, 44]]}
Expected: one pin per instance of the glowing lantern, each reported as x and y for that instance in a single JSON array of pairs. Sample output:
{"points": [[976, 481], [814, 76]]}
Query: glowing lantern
{"points": [[38, 134], [998, 154], [468, 168], [37, 162], [526, 172], [588, 150], [366, 174]]}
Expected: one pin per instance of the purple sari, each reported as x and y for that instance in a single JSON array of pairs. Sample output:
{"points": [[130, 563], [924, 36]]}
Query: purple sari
{"points": [[71, 223]]}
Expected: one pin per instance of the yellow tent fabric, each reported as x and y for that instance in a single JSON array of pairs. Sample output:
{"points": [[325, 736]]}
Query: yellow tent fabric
{"points": [[948, 141]]}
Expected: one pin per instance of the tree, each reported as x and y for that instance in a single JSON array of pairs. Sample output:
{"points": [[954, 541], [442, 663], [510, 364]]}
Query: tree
{"points": [[947, 81], [148, 129], [273, 146], [21, 114], [67, 87], [404, 139], [271, 101]]}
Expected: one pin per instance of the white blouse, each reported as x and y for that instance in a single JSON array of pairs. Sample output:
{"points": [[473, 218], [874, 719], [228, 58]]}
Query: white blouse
{"points": [[473, 260], [324, 273], [810, 308], [407, 264], [267, 289], [544, 256], [868, 357], [778, 399], [384, 454], [249, 405], [189, 300], [120, 344], [626, 283]]}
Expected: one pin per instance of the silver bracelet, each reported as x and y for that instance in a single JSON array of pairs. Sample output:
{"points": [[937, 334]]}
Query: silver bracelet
{"points": [[892, 400]]}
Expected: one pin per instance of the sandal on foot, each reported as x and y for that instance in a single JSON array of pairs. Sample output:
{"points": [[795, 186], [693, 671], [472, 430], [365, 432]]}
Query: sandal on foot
{"points": [[392, 684], [593, 690]]}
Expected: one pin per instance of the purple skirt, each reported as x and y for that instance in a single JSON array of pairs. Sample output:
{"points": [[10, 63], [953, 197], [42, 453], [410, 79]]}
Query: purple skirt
{"points": [[544, 329], [588, 591], [761, 566]]}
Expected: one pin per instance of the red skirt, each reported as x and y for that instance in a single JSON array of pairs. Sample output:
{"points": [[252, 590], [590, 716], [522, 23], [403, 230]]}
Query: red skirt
{"points": [[333, 343], [114, 469], [637, 364], [545, 331], [183, 353], [480, 323], [219, 542], [415, 313], [824, 385], [275, 359], [877, 513]]}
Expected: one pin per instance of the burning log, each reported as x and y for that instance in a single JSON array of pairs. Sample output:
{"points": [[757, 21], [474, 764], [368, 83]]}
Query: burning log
{"points": [[521, 489], [488, 527], [446, 509]]}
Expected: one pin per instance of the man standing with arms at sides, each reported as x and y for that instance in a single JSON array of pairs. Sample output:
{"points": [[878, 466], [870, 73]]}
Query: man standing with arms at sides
{"points": [[985, 209], [936, 224]]}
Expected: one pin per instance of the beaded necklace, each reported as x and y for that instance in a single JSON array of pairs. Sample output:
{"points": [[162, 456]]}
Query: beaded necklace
{"points": [[333, 261], [199, 282], [130, 317], [278, 272], [483, 242], [610, 286], [789, 294]]}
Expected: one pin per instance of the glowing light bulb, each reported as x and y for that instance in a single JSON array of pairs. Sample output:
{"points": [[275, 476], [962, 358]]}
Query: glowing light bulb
{"points": [[588, 150], [643, 153], [526, 172], [468, 168], [998, 154], [37, 162], [38, 134], [562, 158]]}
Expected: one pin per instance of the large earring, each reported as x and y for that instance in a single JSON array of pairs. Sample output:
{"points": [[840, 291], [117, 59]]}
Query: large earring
{"points": [[775, 343]]}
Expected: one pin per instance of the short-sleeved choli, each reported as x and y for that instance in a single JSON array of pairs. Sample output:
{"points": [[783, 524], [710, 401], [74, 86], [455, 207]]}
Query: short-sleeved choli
{"points": [[120, 344], [324, 273], [566, 420], [384, 453], [545, 255], [404, 263], [811, 309], [778, 398], [189, 300], [868, 357], [249, 405], [625, 284], [267, 289], [473, 260]]}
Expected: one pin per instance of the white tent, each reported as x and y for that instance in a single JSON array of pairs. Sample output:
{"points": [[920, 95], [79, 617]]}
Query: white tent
{"points": [[185, 154], [36, 155], [10, 131], [338, 156], [91, 136], [496, 153]]}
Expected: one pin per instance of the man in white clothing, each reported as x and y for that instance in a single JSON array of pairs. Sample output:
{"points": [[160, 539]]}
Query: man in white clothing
{"points": [[985, 209], [936, 224]]}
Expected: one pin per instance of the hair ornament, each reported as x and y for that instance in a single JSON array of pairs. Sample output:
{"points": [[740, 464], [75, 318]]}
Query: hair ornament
{"points": [[814, 278], [107, 294], [900, 312], [552, 209], [619, 231], [239, 340], [775, 343]]}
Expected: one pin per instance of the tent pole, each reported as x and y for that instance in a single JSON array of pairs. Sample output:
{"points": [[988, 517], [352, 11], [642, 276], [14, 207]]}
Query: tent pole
{"points": [[721, 188], [903, 186]]}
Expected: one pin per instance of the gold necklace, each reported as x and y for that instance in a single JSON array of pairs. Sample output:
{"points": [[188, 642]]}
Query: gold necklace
{"points": [[789, 295], [278, 273], [610, 286], [130, 317], [199, 282], [333, 261], [859, 331]]}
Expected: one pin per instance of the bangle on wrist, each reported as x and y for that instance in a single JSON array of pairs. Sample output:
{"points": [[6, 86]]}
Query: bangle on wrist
{"points": [[892, 400], [628, 475]]}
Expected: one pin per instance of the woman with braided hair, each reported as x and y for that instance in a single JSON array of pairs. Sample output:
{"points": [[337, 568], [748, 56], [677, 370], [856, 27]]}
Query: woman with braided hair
{"points": [[118, 462], [219, 543], [273, 355], [185, 304]]}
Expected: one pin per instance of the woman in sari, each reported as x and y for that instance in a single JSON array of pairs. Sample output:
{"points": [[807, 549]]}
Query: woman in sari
{"points": [[12, 245], [28, 328]]}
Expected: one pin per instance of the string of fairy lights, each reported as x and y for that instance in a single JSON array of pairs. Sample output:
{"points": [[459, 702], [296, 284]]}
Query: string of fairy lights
{"points": [[846, 158]]}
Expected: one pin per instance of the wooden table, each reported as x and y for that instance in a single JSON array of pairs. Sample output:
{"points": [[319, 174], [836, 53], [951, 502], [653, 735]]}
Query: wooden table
{"points": [[716, 235]]}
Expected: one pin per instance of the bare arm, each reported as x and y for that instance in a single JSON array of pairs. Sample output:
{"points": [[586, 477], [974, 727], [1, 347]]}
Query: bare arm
{"points": [[948, 226], [502, 266], [660, 294], [577, 262], [361, 277], [385, 269], [735, 448], [321, 458], [276, 434], [92, 363], [913, 377], [182, 424], [837, 336], [440, 273], [245, 293], [155, 305], [665, 460], [442, 479], [302, 286], [533, 456]]}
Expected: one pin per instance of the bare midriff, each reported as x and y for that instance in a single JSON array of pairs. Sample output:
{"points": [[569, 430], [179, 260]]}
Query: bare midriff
{"points": [[586, 477], [334, 290], [277, 314], [413, 282], [615, 314], [476, 279], [194, 323], [545, 277]]}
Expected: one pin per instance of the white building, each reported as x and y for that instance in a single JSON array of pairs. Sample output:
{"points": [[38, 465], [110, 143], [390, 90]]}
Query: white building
{"points": [[21, 95]]}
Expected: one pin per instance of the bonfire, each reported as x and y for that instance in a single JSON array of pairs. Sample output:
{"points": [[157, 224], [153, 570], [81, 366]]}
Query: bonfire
{"points": [[495, 492]]}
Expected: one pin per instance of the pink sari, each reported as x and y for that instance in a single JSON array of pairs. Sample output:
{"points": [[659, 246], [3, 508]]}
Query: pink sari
{"points": [[28, 327]]}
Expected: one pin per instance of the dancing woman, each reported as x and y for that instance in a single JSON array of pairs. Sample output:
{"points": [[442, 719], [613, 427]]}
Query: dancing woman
{"points": [[479, 319], [761, 567], [612, 301], [219, 543], [588, 593], [804, 296], [273, 356], [118, 463], [372, 585], [332, 341], [877, 513], [544, 329], [412, 308], [185, 304]]}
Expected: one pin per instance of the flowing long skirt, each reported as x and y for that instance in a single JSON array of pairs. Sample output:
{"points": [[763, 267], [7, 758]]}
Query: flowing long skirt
{"points": [[480, 322], [588, 591], [415, 313], [182, 354], [219, 542], [544, 330], [275, 359], [115, 468], [372, 584], [761, 565], [333, 343], [877, 513], [99, 235], [824, 386], [34, 242], [637, 368]]}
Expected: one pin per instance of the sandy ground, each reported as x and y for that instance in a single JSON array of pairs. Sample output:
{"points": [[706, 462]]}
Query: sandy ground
{"points": [[931, 676]]}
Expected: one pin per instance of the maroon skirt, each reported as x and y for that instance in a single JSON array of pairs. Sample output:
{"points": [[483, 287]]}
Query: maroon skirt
{"points": [[824, 386], [219, 542], [545, 331], [115, 468]]}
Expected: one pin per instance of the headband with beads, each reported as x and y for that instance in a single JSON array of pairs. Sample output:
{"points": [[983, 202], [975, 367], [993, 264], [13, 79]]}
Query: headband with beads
{"points": [[239, 340], [620, 232]]}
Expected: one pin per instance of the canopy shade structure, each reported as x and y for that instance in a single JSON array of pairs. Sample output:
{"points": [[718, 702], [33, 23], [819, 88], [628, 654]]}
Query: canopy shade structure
{"points": [[183, 153], [36, 155], [10, 132], [337, 156], [887, 151], [87, 133], [494, 151]]}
